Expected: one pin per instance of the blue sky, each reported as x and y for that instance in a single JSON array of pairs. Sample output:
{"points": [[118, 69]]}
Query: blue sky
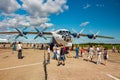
{"points": [[93, 15], [104, 17]]}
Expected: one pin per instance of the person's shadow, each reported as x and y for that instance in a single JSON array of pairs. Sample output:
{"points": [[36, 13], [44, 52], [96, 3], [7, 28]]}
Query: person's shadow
{"points": [[90, 61], [22, 57]]}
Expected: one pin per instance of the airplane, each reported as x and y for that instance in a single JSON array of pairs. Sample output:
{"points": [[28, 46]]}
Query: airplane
{"points": [[61, 36]]}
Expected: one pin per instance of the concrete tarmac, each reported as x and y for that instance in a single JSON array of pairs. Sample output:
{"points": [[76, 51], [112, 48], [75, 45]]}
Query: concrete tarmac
{"points": [[31, 67]]}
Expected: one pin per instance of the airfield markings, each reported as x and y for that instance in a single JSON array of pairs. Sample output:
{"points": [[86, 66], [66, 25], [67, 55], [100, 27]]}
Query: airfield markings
{"points": [[113, 77], [21, 66]]}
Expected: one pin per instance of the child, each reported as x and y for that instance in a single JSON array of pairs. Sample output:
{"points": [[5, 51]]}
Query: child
{"points": [[82, 52]]}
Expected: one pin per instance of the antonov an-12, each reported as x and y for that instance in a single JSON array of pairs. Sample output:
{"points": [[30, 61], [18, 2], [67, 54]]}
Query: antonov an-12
{"points": [[61, 36]]}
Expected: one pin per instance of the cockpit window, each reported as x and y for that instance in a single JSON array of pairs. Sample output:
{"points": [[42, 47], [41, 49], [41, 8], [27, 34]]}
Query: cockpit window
{"points": [[63, 32], [59, 32]]}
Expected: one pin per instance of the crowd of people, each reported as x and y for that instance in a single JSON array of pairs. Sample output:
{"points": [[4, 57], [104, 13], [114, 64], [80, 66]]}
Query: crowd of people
{"points": [[93, 52], [17, 47], [60, 51], [59, 54]]}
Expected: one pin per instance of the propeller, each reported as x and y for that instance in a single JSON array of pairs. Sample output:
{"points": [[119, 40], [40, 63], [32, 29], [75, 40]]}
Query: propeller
{"points": [[21, 33], [40, 33], [94, 35], [77, 34]]}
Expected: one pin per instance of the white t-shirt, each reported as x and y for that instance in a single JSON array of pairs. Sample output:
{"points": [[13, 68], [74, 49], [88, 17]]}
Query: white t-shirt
{"points": [[58, 50], [48, 50], [19, 47], [91, 50], [98, 49]]}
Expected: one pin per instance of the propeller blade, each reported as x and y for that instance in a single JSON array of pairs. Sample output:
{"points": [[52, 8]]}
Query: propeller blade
{"points": [[16, 36], [18, 30], [99, 41], [37, 29], [25, 37], [74, 30], [36, 36], [92, 32], [81, 31], [97, 32], [44, 29], [44, 37]]}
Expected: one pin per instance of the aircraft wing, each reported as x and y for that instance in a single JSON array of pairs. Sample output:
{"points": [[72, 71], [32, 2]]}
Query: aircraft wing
{"points": [[98, 36], [44, 33], [9, 32], [84, 35]]}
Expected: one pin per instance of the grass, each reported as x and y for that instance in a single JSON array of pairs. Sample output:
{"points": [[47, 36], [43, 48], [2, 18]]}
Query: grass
{"points": [[109, 46]]}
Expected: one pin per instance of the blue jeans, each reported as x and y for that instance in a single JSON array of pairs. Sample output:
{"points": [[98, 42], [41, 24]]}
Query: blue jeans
{"points": [[76, 55], [55, 55]]}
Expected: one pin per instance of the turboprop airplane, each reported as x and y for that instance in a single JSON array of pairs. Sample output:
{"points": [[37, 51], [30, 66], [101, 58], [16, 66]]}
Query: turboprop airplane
{"points": [[61, 36]]}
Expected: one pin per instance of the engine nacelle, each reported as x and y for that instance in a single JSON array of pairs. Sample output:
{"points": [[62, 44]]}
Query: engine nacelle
{"points": [[40, 34], [75, 35], [92, 36]]}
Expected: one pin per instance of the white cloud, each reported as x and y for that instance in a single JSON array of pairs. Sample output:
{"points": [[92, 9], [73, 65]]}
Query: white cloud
{"points": [[9, 6], [84, 24], [39, 8], [46, 25], [86, 6], [37, 21], [8, 23], [25, 24], [16, 20]]}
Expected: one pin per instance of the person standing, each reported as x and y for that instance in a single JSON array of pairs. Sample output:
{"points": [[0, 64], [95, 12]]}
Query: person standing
{"points": [[91, 52], [99, 50], [48, 58], [62, 55], [55, 52], [77, 52], [58, 55], [19, 47], [82, 51], [113, 49], [13, 47], [105, 55]]}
